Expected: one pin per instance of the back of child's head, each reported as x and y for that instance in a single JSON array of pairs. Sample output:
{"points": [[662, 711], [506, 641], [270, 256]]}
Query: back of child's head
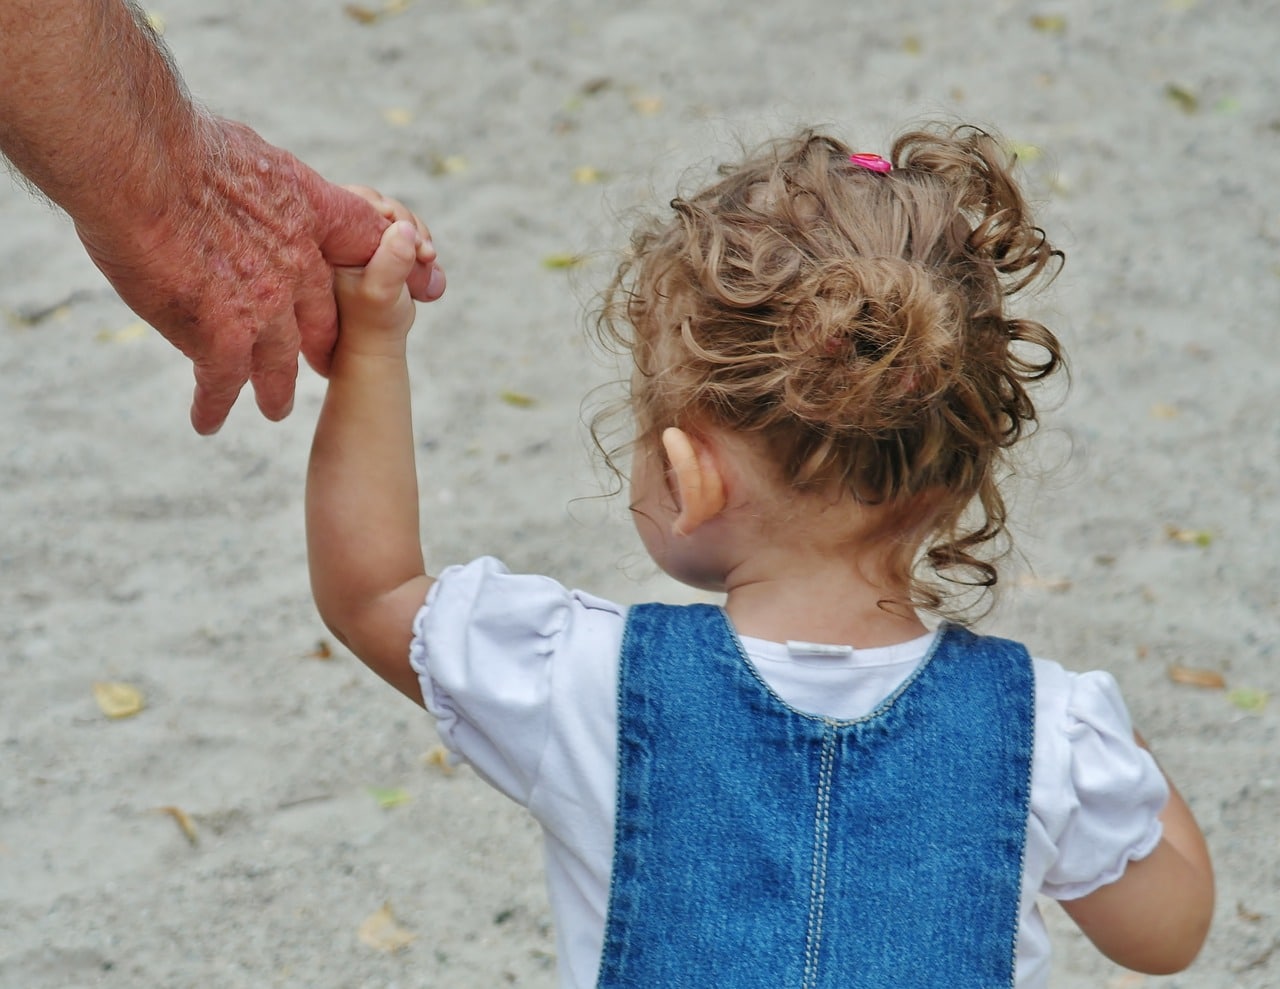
{"points": [[854, 322]]}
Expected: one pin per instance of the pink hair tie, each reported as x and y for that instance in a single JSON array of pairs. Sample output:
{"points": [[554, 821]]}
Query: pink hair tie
{"points": [[872, 163]]}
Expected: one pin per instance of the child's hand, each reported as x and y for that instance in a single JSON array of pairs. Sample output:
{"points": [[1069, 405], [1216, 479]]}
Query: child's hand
{"points": [[374, 305]]}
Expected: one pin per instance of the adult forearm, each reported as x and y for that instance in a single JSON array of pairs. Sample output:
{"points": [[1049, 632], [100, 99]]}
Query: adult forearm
{"points": [[222, 242], [91, 110]]}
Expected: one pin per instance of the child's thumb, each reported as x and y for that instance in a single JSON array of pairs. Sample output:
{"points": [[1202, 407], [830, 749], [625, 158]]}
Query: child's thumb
{"points": [[391, 263], [401, 239]]}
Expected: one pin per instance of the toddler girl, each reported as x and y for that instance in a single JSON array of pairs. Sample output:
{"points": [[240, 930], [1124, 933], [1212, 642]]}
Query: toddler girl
{"points": [[807, 786]]}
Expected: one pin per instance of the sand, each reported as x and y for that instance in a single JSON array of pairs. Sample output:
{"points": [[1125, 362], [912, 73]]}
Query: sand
{"points": [[134, 551]]}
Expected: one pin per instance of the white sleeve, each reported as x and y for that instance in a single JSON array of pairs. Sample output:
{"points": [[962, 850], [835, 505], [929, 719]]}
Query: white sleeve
{"points": [[484, 646], [1110, 791]]}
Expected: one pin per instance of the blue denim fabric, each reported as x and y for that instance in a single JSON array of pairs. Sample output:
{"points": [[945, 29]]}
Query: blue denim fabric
{"points": [[758, 846]]}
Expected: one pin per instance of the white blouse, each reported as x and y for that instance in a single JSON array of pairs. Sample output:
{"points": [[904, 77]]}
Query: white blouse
{"points": [[521, 675]]}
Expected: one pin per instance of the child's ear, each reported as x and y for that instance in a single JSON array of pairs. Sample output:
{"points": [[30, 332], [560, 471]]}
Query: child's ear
{"points": [[696, 479]]}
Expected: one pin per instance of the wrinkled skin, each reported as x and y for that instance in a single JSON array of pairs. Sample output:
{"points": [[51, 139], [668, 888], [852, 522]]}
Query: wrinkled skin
{"points": [[236, 269]]}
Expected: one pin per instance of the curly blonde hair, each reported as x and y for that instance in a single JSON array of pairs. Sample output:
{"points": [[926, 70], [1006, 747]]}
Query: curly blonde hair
{"points": [[855, 323]]}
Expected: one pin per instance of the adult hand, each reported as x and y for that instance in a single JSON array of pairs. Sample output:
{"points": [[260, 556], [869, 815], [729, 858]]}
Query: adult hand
{"points": [[235, 267], [375, 311]]}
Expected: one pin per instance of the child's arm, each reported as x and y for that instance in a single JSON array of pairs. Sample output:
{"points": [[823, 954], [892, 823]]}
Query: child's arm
{"points": [[1156, 916], [363, 549]]}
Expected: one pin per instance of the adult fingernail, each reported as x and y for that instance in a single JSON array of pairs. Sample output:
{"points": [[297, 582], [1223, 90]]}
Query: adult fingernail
{"points": [[203, 427]]}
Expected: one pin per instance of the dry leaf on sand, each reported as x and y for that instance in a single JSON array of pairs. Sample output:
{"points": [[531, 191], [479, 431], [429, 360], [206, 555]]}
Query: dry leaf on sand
{"points": [[382, 932], [184, 821], [131, 331], [519, 399], [1049, 23], [557, 262], [439, 756], [322, 650], [118, 700], [390, 796], [1248, 699], [1192, 537], [1191, 677]]}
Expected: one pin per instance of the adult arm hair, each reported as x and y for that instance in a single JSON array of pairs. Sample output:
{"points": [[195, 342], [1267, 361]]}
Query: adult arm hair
{"points": [[92, 111]]}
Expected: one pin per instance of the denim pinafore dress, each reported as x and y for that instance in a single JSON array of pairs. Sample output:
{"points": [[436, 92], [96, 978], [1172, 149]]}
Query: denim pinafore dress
{"points": [[759, 847]]}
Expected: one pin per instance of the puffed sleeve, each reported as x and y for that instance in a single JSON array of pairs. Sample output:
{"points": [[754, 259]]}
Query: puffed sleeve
{"points": [[482, 647], [501, 657], [1104, 813]]}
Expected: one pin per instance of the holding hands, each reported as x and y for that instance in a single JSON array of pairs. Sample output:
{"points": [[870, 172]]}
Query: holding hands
{"points": [[375, 302], [239, 278], [223, 242]]}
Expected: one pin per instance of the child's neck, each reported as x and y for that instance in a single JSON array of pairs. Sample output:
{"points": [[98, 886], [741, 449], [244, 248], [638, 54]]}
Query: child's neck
{"points": [[783, 596], [805, 566]]}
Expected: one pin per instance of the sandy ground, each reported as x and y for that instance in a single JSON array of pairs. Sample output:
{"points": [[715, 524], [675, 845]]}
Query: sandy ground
{"points": [[133, 551]]}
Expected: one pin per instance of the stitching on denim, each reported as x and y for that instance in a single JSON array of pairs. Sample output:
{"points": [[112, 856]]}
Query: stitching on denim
{"points": [[1026, 751], [623, 867], [818, 873]]}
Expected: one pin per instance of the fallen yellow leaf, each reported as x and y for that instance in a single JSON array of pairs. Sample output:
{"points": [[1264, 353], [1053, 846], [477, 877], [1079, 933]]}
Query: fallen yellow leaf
{"points": [[448, 165], [382, 932], [118, 700], [439, 756], [587, 174], [1189, 676], [134, 331], [1248, 699], [367, 15], [390, 796], [518, 399], [557, 262], [184, 821], [1183, 98], [1049, 23], [361, 14], [1197, 537], [647, 106], [1025, 152]]}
